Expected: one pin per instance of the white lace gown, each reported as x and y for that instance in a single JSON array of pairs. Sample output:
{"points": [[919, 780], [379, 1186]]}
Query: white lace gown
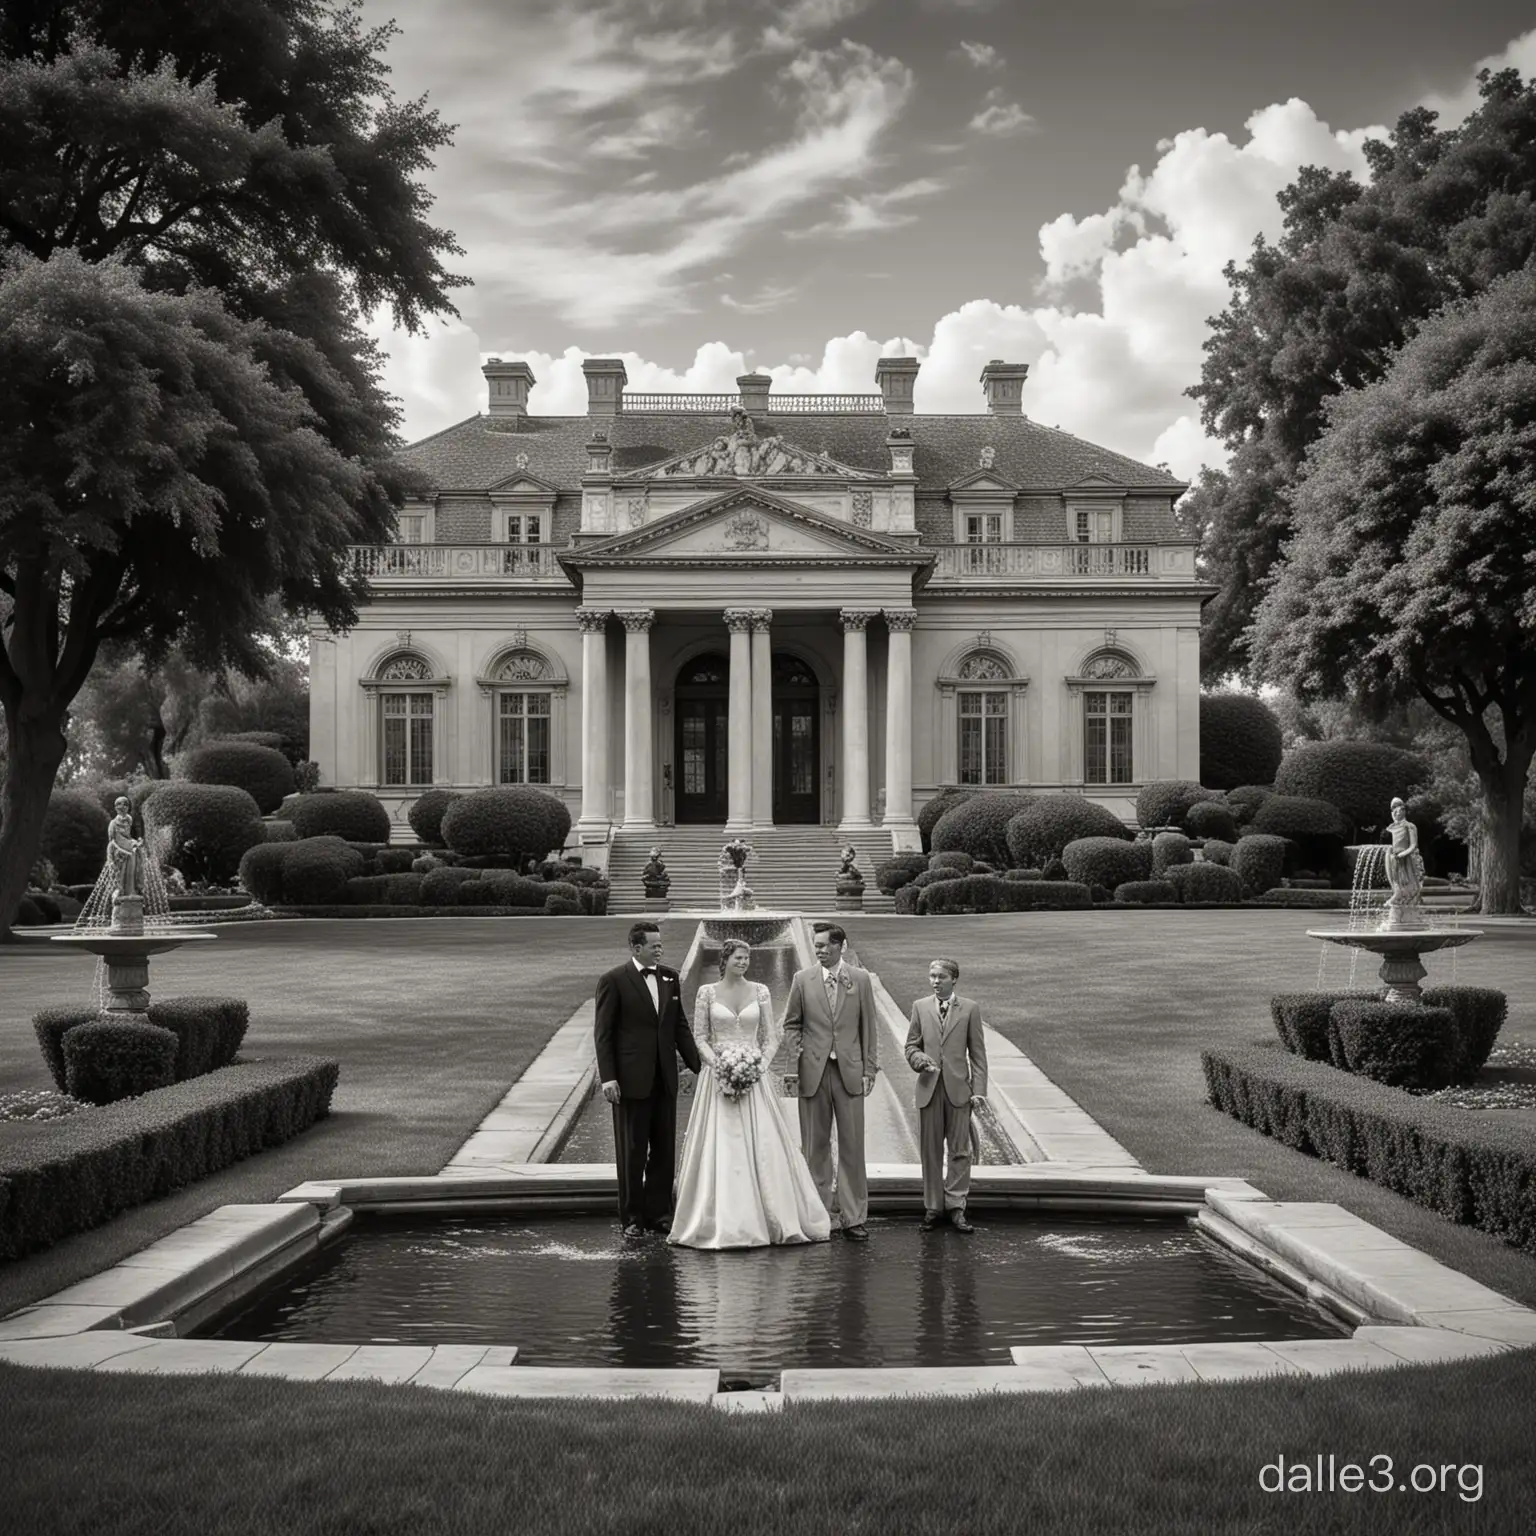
{"points": [[744, 1182]]}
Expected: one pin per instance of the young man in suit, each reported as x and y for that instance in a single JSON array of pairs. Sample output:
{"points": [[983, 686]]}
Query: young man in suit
{"points": [[947, 1049], [640, 1032]]}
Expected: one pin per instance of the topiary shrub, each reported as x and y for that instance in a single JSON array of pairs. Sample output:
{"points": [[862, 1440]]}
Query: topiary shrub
{"points": [[502, 888], [403, 889], [1170, 849], [953, 858], [204, 830], [932, 876], [946, 800], [394, 861], [581, 875], [1107, 861], [514, 822], [991, 893], [1404, 1044], [1055, 870], [351, 814], [364, 891], [1164, 802], [1217, 851], [978, 825], [74, 837], [279, 831], [106, 1060], [261, 871], [1205, 882], [1211, 819], [1245, 800], [1043, 829], [1260, 861], [28, 914], [1301, 1020], [1478, 1014], [441, 887], [261, 771], [562, 906], [1358, 778], [427, 811], [895, 872], [208, 1030], [1314, 828], [1240, 740], [1143, 893], [51, 1025], [1027, 873], [906, 899], [316, 871]]}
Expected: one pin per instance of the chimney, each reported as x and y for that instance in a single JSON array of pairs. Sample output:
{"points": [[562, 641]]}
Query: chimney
{"points": [[754, 389], [896, 377], [606, 379], [1004, 384], [508, 385]]}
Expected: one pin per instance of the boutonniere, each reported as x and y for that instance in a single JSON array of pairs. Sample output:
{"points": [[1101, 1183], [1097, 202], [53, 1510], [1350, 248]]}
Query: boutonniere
{"points": [[846, 980]]}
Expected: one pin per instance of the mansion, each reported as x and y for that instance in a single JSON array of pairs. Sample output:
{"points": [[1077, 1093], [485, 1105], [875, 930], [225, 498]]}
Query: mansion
{"points": [[752, 610]]}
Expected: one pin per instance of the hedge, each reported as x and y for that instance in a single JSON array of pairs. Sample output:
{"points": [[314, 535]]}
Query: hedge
{"points": [[1405, 1044], [953, 858], [279, 831], [1210, 820], [1240, 740], [209, 1031], [316, 871], [74, 836], [1471, 1170], [351, 814], [365, 890], [1359, 778], [897, 871], [261, 871], [1260, 861], [946, 800], [111, 1059], [1479, 1013], [906, 900], [1315, 827], [1170, 849], [978, 825], [1107, 861], [93, 1165], [1245, 800], [1198, 883], [28, 914], [263, 772], [1026, 873], [514, 821], [204, 830], [991, 893], [1217, 851], [1041, 831], [1303, 901], [50, 1025], [935, 875], [426, 814], [349, 912], [440, 887], [1163, 802], [1142, 893], [1301, 1020]]}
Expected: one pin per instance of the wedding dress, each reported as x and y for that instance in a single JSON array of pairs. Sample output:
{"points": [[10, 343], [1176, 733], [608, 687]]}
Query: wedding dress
{"points": [[744, 1182]]}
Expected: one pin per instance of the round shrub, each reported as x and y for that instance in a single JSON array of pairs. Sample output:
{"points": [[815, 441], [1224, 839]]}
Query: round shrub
{"points": [[1358, 778], [895, 872], [316, 871], [1314, 827], [51, 1025], [208, 1030], [46, 906], [1210, 819], [1240, 740], [1170, 849], [28, 914], [279, 831], [1301, 1020], [1478, 1014], [440, 887], [426, 814], [514, 821], [74, 836], [1107, 861], [1039, 832], [562, 906], [351, 814], [1245, 800], [1205, 882], [1259, 861], [946, 800], [402, 890], [991, 893], [934, 876], [364, 891], [262, 772], [1023, 874], [502, 888], [953, 858], [906, 899], [1217, 851], [1164, 802], [261, 871], [581, 874], [393, 861], [978, 825], [202, 829], [107, 1060], [425, 863], [1055, 870], [1404, 1044], [1144, 893]]}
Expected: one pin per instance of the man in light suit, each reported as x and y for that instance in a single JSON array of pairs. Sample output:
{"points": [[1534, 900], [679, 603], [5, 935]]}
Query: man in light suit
{"points": [[832, 1031], [947, 1050]]}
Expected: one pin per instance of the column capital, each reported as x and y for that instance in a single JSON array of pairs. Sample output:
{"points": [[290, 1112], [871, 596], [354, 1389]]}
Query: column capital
{"points": [[900, 619], [636, 620], [739, 620], [762, 619], [856, 618], [593, 621]]}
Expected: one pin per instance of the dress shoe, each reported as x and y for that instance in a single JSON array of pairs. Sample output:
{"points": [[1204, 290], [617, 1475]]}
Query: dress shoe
{"points": [[931, 1219], [959, 1223], [856, 1234], [661, 1224], [633, 1230]]}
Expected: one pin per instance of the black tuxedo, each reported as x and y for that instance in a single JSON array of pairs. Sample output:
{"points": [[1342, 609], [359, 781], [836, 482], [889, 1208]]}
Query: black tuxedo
{"points": [[638, 1047]]}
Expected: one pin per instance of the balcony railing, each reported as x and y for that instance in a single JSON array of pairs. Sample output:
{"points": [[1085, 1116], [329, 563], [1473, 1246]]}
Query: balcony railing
{"points": [[641, 403], [457, 562], [1065, 562]]}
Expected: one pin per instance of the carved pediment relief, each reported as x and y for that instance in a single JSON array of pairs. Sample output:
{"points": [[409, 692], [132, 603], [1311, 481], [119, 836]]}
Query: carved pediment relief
{"points": [[741, 454]]}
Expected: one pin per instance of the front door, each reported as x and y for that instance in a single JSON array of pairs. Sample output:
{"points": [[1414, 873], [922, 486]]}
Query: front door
{"points": [[700, 750], [796, 743]]}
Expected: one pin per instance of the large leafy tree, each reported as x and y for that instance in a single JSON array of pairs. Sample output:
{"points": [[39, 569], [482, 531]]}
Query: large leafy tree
{"points": [[198, 200], [1412, 570], [1356, 270]]}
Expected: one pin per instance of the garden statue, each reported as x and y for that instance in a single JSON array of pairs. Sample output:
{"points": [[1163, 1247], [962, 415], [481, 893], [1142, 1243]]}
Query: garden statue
{"points": [[654, 876], [850, 883], [735, 893], [1405, 864], [123, 848]]}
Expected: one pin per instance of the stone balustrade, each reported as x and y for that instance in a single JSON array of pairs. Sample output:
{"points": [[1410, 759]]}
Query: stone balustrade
{"points": [[1064, 562], [390, 563]]}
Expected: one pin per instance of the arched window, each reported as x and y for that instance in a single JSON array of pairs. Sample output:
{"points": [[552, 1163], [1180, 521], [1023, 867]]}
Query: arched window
{"points": [[1109, 682], [407, 720], [983, 719], [523, 746]]}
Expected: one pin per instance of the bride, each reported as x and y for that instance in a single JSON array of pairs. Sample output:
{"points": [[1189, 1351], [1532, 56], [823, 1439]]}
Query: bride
{"points": [[744, 1182]]}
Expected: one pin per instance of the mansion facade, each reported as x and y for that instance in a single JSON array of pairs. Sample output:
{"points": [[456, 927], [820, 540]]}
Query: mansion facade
{"points": [[750, 610]]}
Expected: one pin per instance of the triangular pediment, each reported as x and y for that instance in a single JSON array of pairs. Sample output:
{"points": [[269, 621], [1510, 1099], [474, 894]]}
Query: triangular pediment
{"points": [[742, 455], [524, 484], [1096, 483], [983, 480]]}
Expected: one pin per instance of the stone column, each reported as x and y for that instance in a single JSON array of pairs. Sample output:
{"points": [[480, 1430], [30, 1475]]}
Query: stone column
{"points": [[855, 718], [898, 727], [639, 749], [594, 719], [739, 724], [762, 718]]}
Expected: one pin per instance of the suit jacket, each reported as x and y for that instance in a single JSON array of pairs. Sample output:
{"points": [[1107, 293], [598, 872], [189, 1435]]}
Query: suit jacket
{"points": [[813, 1033], [958, 1045], [636, 1046]]}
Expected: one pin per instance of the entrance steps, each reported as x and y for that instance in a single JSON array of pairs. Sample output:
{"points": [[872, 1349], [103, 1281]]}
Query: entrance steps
{"points": [[794, 868]]}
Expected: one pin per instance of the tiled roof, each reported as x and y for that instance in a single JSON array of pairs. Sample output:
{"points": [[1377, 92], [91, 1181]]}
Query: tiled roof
{"points": [[473, 457]]}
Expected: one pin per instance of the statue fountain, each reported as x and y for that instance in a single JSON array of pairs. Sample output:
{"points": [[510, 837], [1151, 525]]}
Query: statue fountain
{"points": [[113, 923], [1401, 932]]}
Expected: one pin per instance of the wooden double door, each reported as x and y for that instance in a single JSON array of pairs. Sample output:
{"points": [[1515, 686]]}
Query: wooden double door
{"points": [[701, 746]]}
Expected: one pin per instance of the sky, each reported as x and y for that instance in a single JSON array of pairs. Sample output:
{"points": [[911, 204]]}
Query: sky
{"points": [[711, 187]]}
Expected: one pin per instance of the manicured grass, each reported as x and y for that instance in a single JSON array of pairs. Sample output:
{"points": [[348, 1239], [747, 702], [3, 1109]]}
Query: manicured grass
{"points": [[278, 1458], [1116, 1007]]}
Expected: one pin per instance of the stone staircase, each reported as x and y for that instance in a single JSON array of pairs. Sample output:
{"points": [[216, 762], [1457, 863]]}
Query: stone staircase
{"points": [[795, 868]]}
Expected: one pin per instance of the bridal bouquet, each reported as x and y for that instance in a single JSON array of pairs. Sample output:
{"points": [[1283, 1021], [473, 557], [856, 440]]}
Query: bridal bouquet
{"points": [[737, 1068]]}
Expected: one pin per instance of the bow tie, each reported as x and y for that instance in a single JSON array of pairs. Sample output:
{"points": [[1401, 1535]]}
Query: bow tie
{"points": [[647, 970]]}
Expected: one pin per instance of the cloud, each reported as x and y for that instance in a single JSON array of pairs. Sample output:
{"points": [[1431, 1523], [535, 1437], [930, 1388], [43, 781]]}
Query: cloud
{"points": [[999, 118], [1454, 107], [981, 55], [806, 18], [663, 126], [871, 212], [767, 298]]}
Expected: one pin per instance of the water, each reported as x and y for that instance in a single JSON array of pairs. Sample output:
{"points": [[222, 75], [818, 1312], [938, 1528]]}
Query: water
{"points": [[567, 1290]]}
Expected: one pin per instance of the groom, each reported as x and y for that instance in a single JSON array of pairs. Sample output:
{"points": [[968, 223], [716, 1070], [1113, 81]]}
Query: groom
{"points": [[832, 1031], [640, 1031]]}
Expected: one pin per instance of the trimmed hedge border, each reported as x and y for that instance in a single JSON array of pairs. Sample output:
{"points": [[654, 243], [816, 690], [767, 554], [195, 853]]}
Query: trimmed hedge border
{"points": [[378, 911], [1451, 1161], [82, 1170]]}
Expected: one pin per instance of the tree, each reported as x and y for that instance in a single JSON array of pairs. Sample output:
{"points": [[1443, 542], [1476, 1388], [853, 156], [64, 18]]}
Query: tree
{"points": [[1356, 270], [197, 202], [1413, 567]]}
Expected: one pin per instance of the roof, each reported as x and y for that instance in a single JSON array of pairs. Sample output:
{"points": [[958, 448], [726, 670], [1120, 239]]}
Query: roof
{"points": [[474, 455]]}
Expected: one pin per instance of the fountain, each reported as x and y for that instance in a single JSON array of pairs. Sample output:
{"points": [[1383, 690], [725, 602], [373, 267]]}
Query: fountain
{"points": [[113, 924], [1400, 931], [739, 916]]}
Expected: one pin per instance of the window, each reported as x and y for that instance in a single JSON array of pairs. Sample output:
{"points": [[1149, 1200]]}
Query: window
{"points": [[407, 737], [412, 528], [519, 530], [522, 738], [523, 528], [983, 529], [983, 737], [1107, 738]]}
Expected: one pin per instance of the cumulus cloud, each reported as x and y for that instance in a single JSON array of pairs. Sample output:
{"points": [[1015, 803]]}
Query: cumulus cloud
{"points": [[999, 118], [981, 55], [1457, 105]]}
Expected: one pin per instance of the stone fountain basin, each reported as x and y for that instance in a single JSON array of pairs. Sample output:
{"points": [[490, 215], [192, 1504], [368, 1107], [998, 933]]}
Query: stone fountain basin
{"points": [[1397, 941], [125, 946]]}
